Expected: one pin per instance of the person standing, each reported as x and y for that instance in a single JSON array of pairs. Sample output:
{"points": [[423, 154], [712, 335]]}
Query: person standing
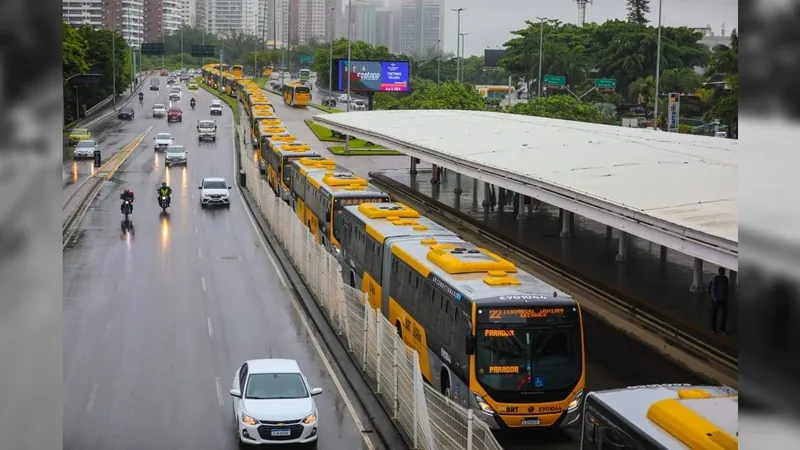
{"points": [[719, 289]]}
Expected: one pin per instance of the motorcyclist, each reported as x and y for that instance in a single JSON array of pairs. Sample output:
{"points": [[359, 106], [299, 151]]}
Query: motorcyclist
{"points": [[126, 196], [191, 103], [165, 190], [141, 97]]}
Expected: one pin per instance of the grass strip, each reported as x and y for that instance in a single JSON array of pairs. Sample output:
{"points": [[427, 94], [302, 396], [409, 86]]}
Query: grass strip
{"points": [[339, 150]]}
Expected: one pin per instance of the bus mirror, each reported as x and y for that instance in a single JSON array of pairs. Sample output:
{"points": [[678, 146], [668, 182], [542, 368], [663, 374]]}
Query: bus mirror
{"points": [[469, 345]]}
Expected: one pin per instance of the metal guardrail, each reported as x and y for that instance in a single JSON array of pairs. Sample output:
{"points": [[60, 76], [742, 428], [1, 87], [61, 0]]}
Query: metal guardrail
{"points": [[90, 112], [431, 420], [681, 338]]}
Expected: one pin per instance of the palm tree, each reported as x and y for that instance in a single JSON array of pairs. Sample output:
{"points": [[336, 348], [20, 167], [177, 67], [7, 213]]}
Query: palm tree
{"points": [[642, 89], [684, 80]]}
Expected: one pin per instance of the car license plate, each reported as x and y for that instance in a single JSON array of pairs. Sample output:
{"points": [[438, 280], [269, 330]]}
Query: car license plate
{"points": [[281, 432], [530, 421]]}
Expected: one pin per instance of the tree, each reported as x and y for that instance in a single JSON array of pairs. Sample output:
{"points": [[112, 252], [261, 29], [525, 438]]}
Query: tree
{"points": [[560, 107], [723, 72], [637, 10], [684, 80], [358, 50], [73, 54]]}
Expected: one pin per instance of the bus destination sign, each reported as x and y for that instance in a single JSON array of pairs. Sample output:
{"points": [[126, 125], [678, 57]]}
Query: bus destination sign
{"points": [[532, 314]]}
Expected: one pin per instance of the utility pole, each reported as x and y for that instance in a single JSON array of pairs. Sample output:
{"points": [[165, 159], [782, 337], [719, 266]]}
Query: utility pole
{"points": [[330, 63], [458, 43], [113, 64], [463, 41], [541, 41], [274, 26], [219, 86], [658, 68], [349, 65], [439, 62]]}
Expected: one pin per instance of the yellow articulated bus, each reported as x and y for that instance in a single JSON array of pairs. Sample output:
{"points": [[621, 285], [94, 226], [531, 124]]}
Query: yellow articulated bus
{"points": [[324, 195], [490, 336], [229, 84], [237, 71], [279, 156], [300, 169], [256, 116], [267, 72], [265, 129], [367, 228], [295, 94], [662, 416]]}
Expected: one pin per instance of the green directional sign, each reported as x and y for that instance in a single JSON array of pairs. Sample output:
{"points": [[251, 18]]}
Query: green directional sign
{"points": [[605, 84], [306, 59], [153, 48], [204, 50], [555, 81]]}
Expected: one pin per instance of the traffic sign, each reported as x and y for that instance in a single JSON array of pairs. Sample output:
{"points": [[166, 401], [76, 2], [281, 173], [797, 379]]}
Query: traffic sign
{"points": [[555, 81], [153, 48], [204, 50], [605, 84]]}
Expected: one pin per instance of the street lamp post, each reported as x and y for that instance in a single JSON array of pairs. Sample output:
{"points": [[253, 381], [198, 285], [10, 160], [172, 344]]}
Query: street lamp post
{"points": [[541, 49], [330, 63], [463, 40], [113, 65], [349, 65], [458, 43], [658, 68], [439, 62], [181, 47]]}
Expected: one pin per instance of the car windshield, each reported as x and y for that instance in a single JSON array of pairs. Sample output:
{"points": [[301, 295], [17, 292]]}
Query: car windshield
{"points": [[80, 131], [524, 358], [158, 106], [263, 386], [175, 110], [214, 185], [216, 103], [206, 124], [86, 144], [176, 149], [126, 110], [163, 136]]}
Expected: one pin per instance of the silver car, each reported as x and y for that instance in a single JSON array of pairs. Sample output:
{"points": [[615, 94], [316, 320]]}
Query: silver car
{"points": [[159, 110], [175, 154], [85, 149]]}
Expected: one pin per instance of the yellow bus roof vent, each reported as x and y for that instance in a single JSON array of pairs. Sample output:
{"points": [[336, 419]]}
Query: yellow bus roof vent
{"points": [[332, 178], [693, 394], [466, 258], [428, 241], [420, 228], [705, 423], [403, 222], [389, 211], [500, 278]]}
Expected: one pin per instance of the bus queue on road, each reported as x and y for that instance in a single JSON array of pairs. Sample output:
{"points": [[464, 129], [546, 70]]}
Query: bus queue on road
{"points": [[489, 335]]}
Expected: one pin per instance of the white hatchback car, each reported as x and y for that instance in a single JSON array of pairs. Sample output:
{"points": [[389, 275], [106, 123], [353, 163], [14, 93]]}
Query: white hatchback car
{"points": [[159, 110], [214, 191], [273, 403]]}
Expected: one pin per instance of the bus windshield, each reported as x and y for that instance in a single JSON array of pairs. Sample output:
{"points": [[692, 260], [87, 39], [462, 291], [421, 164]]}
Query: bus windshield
{"points": [[301, 90], [524, 358]]}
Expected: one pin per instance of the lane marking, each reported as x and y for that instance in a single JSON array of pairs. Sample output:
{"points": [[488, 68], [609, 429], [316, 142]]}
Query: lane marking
{"points": [[219, 392], [210, 327], [296, 304], [203, 283], [92, 397], [199, 253]]}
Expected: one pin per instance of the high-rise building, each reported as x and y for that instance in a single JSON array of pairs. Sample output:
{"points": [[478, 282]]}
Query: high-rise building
{"points": [[189, 12], [421, 27], [153, 21], [224, 17], [385, 26], [363, 21], [172, 15], [127, 16], [302, 21]]}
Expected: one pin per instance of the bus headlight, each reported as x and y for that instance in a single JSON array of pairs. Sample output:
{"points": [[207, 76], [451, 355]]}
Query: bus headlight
{"points": [[483, 405], [576, 402]]}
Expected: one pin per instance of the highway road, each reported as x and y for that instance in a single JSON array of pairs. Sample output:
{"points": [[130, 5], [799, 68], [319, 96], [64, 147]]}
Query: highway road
{"points": [[157, 318], [613, 359]]}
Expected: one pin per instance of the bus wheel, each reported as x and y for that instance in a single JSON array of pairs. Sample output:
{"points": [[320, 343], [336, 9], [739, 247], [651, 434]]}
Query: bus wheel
{"points": [[445, 383], [399, 329]]}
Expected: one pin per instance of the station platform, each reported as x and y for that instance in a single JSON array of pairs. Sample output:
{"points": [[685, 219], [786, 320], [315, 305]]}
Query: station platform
{"points": [[654, 279]]}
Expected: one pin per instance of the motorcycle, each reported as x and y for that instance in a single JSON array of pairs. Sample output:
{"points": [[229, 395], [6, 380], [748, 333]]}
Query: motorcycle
{"points": [[127, 208], [192, 105], [163, 202]]}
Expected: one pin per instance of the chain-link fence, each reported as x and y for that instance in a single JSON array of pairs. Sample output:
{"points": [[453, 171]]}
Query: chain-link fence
{"points": [[431, 420]]}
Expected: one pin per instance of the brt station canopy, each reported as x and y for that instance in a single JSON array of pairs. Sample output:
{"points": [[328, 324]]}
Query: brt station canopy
{"points": [[676, 190]]}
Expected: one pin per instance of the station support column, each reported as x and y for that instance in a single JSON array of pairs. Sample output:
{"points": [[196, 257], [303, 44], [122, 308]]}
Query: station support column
{"points": [[565, 219], [474, 193], [521, 213], [622, 252], [697, 276], [458, 190], [414, 165]]}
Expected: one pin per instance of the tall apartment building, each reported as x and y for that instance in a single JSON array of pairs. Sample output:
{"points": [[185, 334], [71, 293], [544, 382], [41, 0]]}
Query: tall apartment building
{"points": [[302, 21], [421, 27], [127, 16], [189, 12], [385, 27], [363, 21], [223, 17]]}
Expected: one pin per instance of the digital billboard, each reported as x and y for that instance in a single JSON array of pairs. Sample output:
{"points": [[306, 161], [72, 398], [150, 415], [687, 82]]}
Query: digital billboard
{"points": [[372, 76]]}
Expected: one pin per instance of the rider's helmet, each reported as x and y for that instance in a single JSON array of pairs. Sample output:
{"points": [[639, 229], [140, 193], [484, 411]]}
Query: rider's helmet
{"points": [[163, 184]]}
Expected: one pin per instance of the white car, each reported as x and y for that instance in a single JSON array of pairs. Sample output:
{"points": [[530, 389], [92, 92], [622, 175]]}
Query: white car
{"points": [[216, 107], [85, 149], [162, 141], [175, 154], [175, 94], [343, 98], [273, 403], [159, 110], [359, 105], [206, 130], [214, 191]]}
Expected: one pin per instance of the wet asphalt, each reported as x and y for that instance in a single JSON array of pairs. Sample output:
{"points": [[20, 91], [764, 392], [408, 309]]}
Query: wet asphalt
{"points": [[159, 312]]}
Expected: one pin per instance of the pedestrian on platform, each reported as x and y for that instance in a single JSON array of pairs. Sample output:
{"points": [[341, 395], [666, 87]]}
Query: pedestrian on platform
{"points": [[718, 289]]}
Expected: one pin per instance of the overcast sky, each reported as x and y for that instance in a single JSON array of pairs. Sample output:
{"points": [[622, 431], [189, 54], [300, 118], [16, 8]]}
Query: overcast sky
{"points": [[489, 22]]}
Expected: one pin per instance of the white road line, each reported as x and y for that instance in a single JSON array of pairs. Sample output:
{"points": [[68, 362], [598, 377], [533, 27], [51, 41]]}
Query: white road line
{"points": [[92, 397], [199, 254], [219, 392], [210, 327], [295, 303], [203, 283], [107, 330]]}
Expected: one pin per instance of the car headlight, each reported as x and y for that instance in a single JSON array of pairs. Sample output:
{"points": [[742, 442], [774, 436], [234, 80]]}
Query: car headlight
{"points": [[483, 405], [310, 419], [249, 420], [576, 402]]}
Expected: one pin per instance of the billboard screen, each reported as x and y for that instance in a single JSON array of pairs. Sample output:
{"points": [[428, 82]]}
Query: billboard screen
{"points": [[372, 76], [491, 57]]}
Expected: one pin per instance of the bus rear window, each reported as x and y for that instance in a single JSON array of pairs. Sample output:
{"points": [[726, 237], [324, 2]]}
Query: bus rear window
{"points": [[302, 90]]}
